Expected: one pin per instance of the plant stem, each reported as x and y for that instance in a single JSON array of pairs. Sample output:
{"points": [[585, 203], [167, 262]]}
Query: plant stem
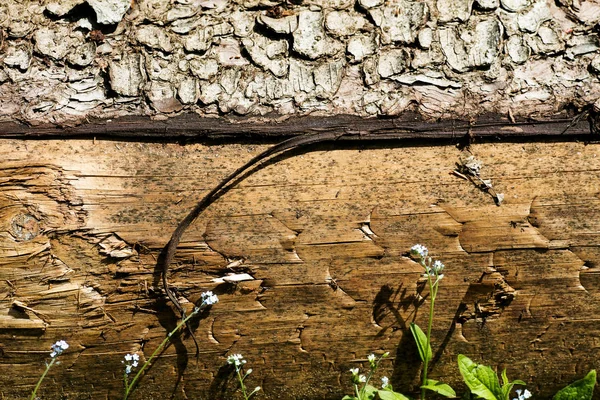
{"points": [[42, 378], [432, 293], [242, 386], [129, 387]]}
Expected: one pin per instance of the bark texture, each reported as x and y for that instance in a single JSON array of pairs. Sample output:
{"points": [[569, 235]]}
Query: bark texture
{"points": [[324, 236], [70, 60]]}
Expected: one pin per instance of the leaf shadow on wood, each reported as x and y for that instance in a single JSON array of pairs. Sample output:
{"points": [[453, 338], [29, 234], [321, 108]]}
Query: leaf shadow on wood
{"points": [[221, 382], [396, 302], [407, 366]]}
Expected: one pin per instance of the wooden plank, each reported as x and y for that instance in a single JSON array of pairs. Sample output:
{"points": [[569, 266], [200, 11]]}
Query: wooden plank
{"points": [[325, 235]]}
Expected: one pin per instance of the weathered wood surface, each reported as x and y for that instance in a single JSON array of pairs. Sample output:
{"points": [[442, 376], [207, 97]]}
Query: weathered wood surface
{"points": [[324, 234]]}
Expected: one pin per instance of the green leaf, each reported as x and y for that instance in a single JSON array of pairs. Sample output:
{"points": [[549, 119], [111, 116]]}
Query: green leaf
{"points": [[390, 395], [480, 379], [439, 388], [421, 341], [582, 389], [349, 398], [505, 380], [506, 389], [508, 386], [369, 392]]}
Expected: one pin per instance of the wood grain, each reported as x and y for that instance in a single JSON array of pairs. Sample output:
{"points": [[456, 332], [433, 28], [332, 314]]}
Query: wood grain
{"points": [[325, 235]]}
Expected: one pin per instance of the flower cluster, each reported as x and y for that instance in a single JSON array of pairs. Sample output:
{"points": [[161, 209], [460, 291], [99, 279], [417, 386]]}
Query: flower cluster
{"points": [[385, 382], [419, 250], [58, 348], [436, 268], [236, 359], [523, 394], [356, 378], [131, 361], [372, 360], [432, 268], [209, 298]]}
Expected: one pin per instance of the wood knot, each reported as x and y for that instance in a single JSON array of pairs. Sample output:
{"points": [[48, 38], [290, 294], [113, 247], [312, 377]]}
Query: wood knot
{"points": [[24, 227]]}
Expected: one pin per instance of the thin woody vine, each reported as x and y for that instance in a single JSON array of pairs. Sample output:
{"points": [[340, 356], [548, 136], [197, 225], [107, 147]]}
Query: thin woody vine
{"points": [[481, 381]]}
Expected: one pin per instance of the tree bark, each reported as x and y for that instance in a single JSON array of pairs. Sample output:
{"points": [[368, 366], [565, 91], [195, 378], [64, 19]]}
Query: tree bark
{"points": [[71, 61]]}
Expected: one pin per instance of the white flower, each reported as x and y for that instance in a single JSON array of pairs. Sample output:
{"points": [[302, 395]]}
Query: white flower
{"points": [[385, 382], [419, 250], [236, 359], [58, 348], [523, 395], [371, 358], [435, 269], [362, 378], [131, 361], [209, 298], [132, 357], [354, 371]]}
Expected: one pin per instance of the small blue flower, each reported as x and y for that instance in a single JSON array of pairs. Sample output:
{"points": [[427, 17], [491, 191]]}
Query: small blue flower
{"points": [[419, 250], [58, 348], [523, 395], [209, 298], [131, 361]]}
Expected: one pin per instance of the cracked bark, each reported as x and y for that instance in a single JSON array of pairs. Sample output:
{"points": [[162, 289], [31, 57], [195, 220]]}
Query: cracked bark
{"points": [[82, 223]]}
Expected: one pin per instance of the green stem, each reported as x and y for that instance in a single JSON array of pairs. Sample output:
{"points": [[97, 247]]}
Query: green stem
{"points": [[242, 386], [433, 293], [129, 387], [42, 378], [369, 376], [357, 393]]}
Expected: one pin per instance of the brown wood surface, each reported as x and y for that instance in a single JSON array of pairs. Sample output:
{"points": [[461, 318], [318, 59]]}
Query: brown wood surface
{"points": [[325, 235]]}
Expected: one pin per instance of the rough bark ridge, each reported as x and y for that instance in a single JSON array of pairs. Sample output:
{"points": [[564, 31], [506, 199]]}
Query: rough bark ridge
{"points": [[66, 61]]}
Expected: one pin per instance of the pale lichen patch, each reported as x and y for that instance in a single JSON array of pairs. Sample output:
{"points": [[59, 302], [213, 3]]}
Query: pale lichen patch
{"points": [[344, 23], [401, 22], [126, 74], [310, 38], [454, 10], [268, 54]]}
